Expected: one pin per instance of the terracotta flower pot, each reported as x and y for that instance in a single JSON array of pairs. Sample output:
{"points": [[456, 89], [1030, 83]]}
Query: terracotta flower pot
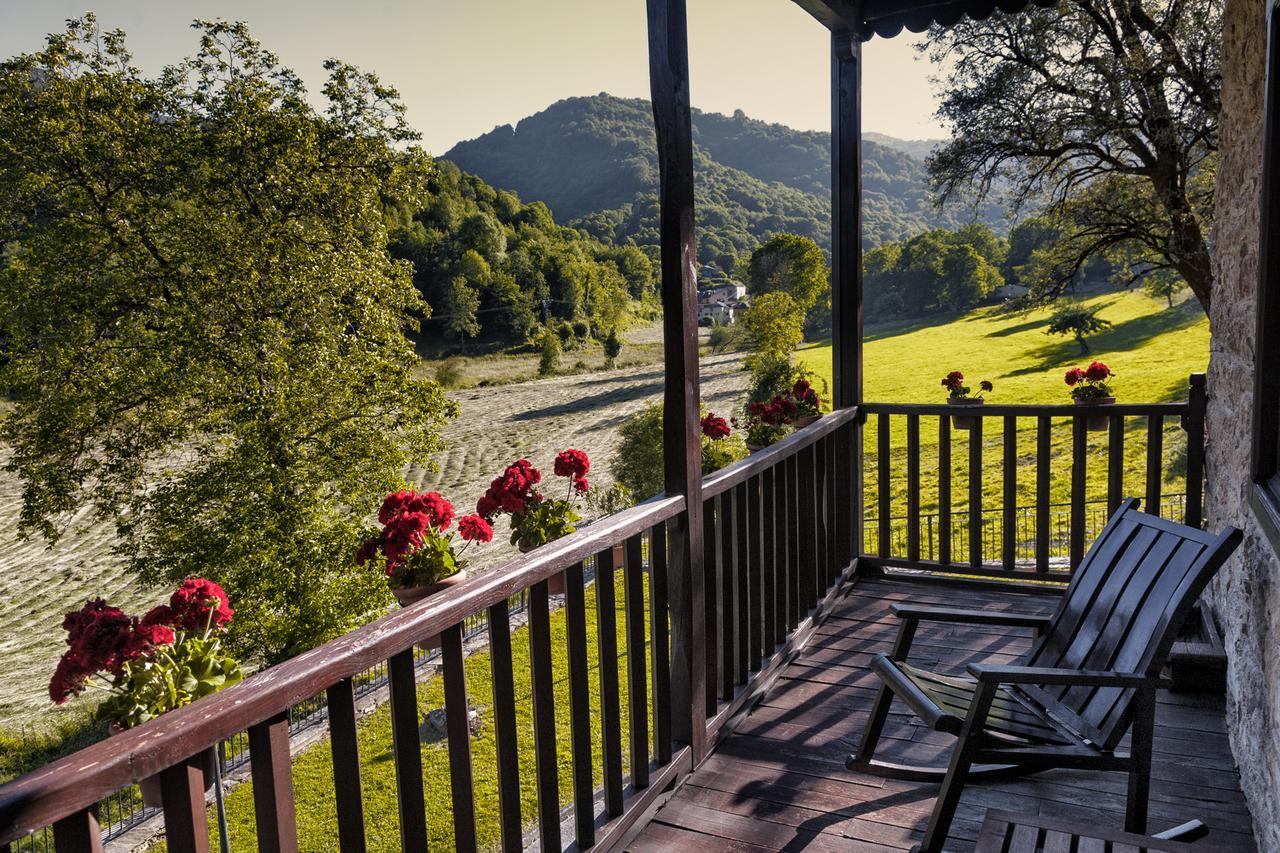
{"points": [[151, 787], [804, 421], [1097, 422], [408, 595], [963, 421], [555, 583], [753, 448]]}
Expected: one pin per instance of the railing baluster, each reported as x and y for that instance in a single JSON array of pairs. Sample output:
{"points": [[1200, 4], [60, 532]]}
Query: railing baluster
{"points": [[79, 833], [808, 529], [186, 826], [1079, 449], [883, 491], [504, 728], [794, 535], [944, 489], [769, 562], [975, 492], [725, 598], [407, 749], [637, 688], [544, 718], [743, 642], [1115, 462], [710, 545], [659, 630], [1009, 539], [1044, 427], [345, 749], [755, 572], [575, 609], [1194, 506], [610, 712], [1155, 459], [459, 731], [273, 785], [913, 488]]}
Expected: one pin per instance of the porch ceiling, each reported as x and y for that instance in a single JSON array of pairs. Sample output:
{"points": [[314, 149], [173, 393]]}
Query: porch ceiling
{"points": [[887, 18]]}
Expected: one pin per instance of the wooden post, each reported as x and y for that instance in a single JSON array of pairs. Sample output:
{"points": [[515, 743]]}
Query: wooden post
{"points": [[846, 284], [673, 123], [1193, 511]]}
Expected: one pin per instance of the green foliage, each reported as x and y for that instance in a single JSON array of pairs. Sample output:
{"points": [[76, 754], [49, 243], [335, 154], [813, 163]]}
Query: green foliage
{"points": [[774, 327], [793, 265], [937, 270], [638, 462], [24, 750], [597, 168], [612, 345], [448, 373], [461, 304], [605, 502], [724, 338], [1163, 284], [217, 360], [549, 353], [1078, 321], [174, 676], [543, 522]]}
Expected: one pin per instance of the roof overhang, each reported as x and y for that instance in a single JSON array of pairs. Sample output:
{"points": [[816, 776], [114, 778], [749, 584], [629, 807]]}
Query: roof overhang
{"points": [[887, 18]]}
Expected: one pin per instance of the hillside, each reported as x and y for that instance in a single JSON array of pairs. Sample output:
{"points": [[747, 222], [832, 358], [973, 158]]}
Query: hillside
{"points": [[592, 161]]}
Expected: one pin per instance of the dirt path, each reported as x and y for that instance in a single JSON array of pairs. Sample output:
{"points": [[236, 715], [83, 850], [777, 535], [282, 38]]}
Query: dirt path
{"points": [[497, 425]]}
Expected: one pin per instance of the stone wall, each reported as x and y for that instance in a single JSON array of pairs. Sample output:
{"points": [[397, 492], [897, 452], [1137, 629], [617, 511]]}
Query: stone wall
{"points": [[1246, 595]]}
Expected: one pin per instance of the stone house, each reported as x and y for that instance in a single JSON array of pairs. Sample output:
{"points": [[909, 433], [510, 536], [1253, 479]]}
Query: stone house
{"points": [[1243, 409]]}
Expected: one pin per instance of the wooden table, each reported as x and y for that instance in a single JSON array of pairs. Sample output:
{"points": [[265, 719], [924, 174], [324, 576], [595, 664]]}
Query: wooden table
{"points": [[1004, 832]]}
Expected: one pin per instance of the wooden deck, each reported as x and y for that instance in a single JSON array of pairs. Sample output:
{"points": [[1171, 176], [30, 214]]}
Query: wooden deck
{"points": [[778, 782]]}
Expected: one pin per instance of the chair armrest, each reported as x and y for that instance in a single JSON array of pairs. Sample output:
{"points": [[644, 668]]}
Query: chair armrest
{"points": [[1000, 674], [971, 617]]}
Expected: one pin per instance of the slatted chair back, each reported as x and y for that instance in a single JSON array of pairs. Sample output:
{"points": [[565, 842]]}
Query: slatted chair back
{"points": [[1122, 612]]}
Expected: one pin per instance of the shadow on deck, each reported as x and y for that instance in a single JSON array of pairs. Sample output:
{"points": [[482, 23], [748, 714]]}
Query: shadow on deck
{"points": [[778, 781]]}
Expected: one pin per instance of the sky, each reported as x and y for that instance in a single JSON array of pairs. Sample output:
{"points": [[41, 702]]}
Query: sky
{"points": [[464, 67]]}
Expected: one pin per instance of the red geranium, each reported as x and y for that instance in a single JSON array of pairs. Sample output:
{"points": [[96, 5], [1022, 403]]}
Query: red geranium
{"points": [[199, 602], [580, 484], [953, 380], [714, 427], [1074, 375], [572, 463], [986, 385], [473, 528], [1096, 372]]}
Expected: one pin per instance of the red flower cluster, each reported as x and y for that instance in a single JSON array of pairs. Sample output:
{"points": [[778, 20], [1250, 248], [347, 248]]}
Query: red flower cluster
{"points": [[193, 605], [512, 490], [439, 512], [953, 381], [802, 392], [777, 412], [1074, 375], [714, 427], [473, 528], [574, 464], [1097, 372]]}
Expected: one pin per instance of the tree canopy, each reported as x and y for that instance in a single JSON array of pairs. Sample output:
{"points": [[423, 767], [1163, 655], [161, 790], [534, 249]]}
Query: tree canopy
{"points": [[215, 355], [1107, 110]]}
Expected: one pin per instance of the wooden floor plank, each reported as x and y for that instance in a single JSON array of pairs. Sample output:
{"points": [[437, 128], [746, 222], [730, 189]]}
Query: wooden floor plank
{"points": [[778, 782]]}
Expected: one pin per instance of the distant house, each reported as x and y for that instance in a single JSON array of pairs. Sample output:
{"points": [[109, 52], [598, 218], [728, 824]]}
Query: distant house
{"points": [[722, 291], [721, 312]]}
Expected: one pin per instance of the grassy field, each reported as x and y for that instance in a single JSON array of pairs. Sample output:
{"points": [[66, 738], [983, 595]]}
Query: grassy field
{"points": [[1151, 348]]}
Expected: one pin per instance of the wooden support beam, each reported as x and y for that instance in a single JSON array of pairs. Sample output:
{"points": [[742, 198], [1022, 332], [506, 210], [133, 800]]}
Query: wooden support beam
{"points": [[673, 122]]}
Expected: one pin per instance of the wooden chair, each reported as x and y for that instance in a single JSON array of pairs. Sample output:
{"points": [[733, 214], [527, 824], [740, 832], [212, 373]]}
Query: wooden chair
{"points": [[1090, 677]]}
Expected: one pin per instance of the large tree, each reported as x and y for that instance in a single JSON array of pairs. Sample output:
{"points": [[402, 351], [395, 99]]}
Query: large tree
{"points": [[1107, 110], [204, 331]]}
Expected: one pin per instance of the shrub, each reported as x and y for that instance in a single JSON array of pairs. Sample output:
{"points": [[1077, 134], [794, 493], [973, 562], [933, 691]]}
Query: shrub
{"points": [[725, 338], [449, 373], [638, 460], [612, 345], [581, 329], [549, 356], [1077, 320]]}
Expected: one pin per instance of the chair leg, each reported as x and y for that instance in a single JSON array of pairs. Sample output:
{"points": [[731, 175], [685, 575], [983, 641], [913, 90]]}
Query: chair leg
{"points": [[944, 810], [875, 725], [1143, 733]]}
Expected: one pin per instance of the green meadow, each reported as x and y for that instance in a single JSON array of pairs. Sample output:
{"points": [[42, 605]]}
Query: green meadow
{"points": [[1152, 349]]}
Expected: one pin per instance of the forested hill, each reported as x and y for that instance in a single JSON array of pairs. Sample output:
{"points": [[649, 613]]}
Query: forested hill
{"points": [[593, 161]]}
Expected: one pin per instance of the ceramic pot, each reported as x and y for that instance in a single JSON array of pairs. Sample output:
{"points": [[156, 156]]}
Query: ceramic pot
{"points": [[801, 423], [555, 583], [963, 421], [151, 787], [1101, 421], [753, 448], [408, 595]]}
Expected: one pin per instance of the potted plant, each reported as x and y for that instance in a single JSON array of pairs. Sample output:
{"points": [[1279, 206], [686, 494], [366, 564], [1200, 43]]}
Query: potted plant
{"points": [[419, 553], [807, 402], [535, 518], [959, 394], [1089, 388], [169, 658], [769, 422], [719, 445]]}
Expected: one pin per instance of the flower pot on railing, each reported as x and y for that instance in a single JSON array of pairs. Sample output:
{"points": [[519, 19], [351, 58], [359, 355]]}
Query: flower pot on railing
{"points": [[408, 595], [753, 448], [151, 787], [555, 583], [1096, 422], [963, 421], [804, 421]]}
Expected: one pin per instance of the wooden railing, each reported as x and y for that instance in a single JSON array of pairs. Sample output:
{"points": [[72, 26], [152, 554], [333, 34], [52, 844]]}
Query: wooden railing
{"points": [[1013, 450], [774, 525]]}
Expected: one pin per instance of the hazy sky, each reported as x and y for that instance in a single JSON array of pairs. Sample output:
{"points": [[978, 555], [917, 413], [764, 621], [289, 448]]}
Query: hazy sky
{"points": [[465, 66]]}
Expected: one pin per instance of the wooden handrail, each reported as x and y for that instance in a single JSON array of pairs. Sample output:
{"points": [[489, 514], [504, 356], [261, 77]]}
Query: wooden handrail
{"points": [[77, 781], [739, 472], [1024, 410]]}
